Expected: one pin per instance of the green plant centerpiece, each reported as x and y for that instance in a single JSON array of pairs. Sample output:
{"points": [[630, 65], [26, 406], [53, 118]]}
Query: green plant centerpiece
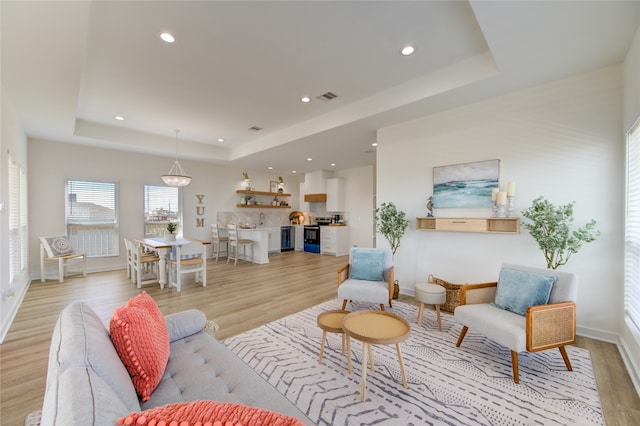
{"points": [[171, 227], [391, 223], [550, 226]]}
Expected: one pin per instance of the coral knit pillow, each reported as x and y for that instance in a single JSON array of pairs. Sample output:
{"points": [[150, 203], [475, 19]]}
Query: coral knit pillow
{"points": [[208, 413], [139, 334]]}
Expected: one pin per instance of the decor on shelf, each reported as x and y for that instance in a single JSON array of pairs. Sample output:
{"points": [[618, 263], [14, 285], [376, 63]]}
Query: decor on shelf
{"points": [[430, 206], [176, 176], [171, 228], [280, 184], [465, 185], [391, 223], [273, 186], [247, 182], [550, 226]]}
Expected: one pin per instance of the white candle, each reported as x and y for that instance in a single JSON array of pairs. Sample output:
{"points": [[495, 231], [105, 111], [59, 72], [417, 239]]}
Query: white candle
{"points": [[501, 198], [511, 189], [494, 191]]}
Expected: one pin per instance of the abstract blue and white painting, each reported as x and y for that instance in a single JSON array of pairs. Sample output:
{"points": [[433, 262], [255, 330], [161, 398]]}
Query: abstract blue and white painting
{"points": [[465, 185]]}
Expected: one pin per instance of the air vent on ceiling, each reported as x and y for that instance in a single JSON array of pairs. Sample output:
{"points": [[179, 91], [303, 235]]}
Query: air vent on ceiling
{"points": [[255, 128], [329, 96]]}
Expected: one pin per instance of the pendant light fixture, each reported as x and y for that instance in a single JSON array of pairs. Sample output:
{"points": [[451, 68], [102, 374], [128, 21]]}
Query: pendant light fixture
{"points": [[176, 176]]}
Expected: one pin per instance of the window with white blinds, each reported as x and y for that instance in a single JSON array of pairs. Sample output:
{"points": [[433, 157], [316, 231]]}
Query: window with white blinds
{"points": [[632, 230], [161, 206], [18, 220], [92, 217]]}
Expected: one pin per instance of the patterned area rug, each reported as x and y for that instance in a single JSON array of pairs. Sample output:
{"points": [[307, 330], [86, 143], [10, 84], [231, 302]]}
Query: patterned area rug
{"points": [[470, 385]]}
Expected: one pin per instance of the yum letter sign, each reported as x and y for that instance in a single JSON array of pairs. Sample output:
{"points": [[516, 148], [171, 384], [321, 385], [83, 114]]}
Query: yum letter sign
{"points": [[199, 212]]}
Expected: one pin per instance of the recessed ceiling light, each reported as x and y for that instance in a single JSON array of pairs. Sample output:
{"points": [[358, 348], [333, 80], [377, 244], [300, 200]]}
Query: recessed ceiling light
{"points": [[309, 159], [407, 50], [333, 164], [167, 37], [293, 171], [220, 140], [270, 168], [374, 144], [119, 118], [305, 99]]}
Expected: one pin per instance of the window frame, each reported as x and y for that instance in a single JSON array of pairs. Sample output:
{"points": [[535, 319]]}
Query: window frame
{"points": [[632, 230], [157, 228], [96, 238]]}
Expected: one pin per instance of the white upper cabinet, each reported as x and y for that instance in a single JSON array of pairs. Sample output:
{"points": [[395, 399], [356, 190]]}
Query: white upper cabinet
{"points": [[335, 195]]}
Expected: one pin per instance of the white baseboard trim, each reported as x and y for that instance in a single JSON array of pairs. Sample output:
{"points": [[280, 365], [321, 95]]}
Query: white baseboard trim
{"points": [[13, 312], [595, 334]]}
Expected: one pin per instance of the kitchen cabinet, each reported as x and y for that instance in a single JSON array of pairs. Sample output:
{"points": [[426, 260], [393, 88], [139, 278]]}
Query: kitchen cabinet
{"points": [[274, 239], [505, 225], [334, 240], [267, 200], [335, 195]]}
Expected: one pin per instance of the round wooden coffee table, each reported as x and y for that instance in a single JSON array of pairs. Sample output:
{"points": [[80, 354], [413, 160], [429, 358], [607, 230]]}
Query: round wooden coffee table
{"points": [[331, 322], [378, 328]]}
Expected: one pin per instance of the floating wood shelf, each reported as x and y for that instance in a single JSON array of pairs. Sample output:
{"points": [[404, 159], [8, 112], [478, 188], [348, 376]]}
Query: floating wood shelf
{"points": [[504, 225], [261, 206], [276, 194]]}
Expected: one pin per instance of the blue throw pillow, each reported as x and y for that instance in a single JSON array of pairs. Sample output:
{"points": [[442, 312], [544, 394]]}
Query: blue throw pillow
{"points": [[367, 265], [517, 290]]}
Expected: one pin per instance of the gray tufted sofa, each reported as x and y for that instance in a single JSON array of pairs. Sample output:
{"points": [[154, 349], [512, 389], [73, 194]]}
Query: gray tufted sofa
{"points": [[87, 384]]}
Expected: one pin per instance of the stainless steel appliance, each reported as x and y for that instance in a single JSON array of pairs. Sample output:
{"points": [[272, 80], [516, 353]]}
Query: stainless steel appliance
{"points": [[287, 238], [312, 238]]}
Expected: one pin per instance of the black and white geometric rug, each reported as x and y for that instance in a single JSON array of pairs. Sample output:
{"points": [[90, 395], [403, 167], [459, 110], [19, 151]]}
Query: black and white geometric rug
{"points": [[470, 385]]}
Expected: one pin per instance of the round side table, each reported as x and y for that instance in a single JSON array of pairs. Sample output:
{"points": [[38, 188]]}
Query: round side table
{"points": [[331, 322], [378, 328]]}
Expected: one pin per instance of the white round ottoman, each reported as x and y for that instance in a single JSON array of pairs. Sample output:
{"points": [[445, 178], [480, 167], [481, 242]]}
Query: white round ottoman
{"points": [[431, 294]]}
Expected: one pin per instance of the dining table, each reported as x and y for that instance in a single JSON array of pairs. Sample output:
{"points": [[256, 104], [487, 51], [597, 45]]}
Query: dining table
{"points": [[163, 247]]}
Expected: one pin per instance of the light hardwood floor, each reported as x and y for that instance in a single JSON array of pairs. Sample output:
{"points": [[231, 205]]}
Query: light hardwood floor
{"points": [[238, 299]]}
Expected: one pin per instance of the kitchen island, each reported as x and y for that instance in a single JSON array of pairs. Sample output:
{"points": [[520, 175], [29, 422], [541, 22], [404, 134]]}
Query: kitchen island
{"points": [[260, 238]]}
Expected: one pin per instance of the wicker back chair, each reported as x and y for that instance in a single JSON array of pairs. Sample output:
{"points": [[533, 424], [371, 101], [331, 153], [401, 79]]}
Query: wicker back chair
{"points": [[546, 326]]}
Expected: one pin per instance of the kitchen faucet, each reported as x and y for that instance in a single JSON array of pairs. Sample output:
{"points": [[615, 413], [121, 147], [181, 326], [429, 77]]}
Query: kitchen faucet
{"points": [[262, 218]]}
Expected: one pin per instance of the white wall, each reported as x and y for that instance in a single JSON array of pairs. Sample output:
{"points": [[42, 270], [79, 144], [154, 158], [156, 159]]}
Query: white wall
{"points": [[630, 335], [359, 204], [12, 141], [562, 140]]}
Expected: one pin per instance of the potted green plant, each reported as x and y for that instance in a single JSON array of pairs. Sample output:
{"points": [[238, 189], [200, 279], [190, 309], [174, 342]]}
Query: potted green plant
{"points": [[391, 223], [171, 228], [550, 226]]}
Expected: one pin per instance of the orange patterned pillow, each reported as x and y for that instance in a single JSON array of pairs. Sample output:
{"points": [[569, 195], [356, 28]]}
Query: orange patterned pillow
{"points": [[139, 334], [208, 413]]}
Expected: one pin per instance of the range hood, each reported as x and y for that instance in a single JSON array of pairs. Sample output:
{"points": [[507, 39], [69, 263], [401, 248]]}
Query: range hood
{"points": [[315, 198]]}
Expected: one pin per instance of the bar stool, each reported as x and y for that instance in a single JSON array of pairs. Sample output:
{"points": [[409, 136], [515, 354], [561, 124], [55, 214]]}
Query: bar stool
{"points": [[217, 241], [431, 294]]}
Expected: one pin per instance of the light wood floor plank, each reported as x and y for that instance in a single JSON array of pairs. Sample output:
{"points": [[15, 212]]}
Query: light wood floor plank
{"points": [[238, 299]]}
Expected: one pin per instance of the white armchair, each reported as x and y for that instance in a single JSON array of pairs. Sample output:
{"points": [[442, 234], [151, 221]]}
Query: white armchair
{"points": [[59, 249], [545, 325], [368, 277]]}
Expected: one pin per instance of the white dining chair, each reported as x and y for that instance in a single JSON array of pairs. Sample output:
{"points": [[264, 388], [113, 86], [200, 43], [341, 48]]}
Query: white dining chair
{"points": [[145, 266], [235, 243], [187, 258]]}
